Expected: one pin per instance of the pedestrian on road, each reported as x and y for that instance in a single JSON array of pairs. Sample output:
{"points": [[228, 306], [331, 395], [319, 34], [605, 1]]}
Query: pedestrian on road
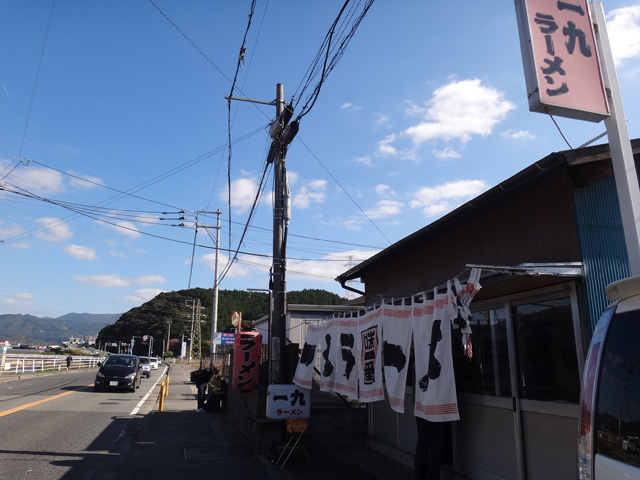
{"points": [[69, 361], [202, 377]]}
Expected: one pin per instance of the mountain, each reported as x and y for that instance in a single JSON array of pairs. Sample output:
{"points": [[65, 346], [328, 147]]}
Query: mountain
{"points": [[170, 313], [31, 330]]}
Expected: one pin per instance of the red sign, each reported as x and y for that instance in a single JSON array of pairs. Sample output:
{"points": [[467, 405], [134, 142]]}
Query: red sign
{"points": [[560, 59], [246, 361]]}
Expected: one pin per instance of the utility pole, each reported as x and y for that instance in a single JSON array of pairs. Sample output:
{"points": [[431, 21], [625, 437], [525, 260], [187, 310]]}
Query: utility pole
{"points": [[279, 285], [214, 314], [282, 132]]}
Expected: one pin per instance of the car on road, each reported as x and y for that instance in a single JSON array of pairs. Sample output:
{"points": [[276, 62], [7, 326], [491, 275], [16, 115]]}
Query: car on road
{"points": [[610, 404], [154, 362], [123, 372], [146, 366]]}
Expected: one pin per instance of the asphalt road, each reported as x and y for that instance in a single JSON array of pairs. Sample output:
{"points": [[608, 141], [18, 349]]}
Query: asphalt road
{"points": [[56, 427]]}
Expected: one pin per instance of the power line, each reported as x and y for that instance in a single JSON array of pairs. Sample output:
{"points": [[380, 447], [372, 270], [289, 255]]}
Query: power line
{"points": [[35, 83], [345, 191], [240, 61]]}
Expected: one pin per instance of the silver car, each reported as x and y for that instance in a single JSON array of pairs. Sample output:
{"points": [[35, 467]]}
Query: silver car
{"points": [[610, 404]]}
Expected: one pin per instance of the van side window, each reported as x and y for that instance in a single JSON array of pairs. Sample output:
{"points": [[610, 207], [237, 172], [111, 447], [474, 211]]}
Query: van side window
{"points": [[617, 418]]}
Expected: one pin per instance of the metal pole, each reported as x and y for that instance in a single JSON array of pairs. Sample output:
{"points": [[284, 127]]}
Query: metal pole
{"points": [[214, 317], [624, 169], [279, 285]]}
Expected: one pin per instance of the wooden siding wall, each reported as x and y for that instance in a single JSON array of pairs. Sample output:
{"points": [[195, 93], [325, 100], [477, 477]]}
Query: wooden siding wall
{"points": [[534, 223]]}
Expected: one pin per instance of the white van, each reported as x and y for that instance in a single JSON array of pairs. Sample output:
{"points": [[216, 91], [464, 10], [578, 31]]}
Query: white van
{"points": [[610, 403]]}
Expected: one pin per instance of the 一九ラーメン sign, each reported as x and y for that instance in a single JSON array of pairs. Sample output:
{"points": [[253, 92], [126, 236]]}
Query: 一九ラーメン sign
{"points": [[560, 60]]}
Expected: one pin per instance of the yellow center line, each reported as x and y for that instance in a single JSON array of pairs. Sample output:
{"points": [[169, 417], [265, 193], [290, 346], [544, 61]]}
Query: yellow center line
{"points": [[33, 404]]}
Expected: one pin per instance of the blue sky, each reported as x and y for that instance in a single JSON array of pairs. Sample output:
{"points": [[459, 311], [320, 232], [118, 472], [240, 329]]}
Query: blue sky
{"points": [[113, 118]]}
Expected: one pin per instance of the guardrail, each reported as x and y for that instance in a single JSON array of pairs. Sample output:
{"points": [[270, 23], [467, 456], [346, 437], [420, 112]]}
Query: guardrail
{"points": [[16, 364]]}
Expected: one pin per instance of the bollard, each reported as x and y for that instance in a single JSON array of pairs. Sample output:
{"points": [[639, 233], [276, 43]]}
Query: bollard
{"points": [[166, 390], [161, 406]]}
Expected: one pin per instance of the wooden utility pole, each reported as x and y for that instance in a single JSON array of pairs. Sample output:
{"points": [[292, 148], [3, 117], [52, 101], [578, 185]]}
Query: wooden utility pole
{"points": [[282, 132]]}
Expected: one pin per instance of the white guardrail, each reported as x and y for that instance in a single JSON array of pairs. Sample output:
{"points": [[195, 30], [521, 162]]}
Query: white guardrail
{"points": [[15, 364]]}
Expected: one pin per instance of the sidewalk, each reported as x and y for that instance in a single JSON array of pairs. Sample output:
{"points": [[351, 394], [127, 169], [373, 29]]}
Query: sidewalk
{"points": [[182, 443]]}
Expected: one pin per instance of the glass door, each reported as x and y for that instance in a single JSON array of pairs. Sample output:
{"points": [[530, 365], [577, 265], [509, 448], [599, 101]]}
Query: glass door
{"points": [[548, 384], [519, 393]]}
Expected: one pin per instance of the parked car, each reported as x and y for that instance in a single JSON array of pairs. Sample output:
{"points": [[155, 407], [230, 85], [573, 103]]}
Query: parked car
{"points": [[119, 372], [146, 366], [610, 404]]}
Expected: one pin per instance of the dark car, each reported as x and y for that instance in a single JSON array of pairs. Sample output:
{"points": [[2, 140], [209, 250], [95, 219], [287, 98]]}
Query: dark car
{"points": [[119, 372]]}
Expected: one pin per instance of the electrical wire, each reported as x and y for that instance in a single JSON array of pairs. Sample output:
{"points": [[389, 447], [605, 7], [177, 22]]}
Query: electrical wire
{"points": [[241, 54], [344, 190], [35, 83], [328, 46]]}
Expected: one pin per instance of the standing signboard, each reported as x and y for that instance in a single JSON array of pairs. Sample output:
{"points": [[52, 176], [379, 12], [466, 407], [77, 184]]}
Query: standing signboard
{"points": [[288, 402]]}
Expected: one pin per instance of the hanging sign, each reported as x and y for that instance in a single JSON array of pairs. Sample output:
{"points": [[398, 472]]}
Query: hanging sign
{"points": [[560, 59]]}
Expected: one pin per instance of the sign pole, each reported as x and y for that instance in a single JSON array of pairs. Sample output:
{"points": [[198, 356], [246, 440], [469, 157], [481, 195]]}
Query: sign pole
{"points": [[624, 169]]}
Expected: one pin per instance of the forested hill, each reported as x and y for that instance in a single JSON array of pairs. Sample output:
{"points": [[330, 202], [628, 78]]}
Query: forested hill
{"points": [[172, 312]]}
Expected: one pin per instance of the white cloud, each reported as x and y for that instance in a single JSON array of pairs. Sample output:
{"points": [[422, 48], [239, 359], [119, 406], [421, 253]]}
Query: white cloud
{"points": [[53, 230], [446, 154], [104, 280], [43, 181], [349, 106], [382, 189], [460, 110], [128, 229], [366, 160], [84, 181], [381, 120], [23, 296], [80, 252], [314, 192], [351, 224], [623, 27], [149, 279], [243, 193], [385, 147], [518, 134], [385, 208], [237, 270], [441, 199], [329, 267], [10, 230], [141, 296]]}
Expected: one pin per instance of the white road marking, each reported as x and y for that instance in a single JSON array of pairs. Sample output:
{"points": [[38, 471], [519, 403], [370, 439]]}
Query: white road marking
{"points": [[144, 399]]}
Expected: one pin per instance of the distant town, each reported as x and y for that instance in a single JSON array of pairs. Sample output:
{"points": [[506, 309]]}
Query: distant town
{"points": [[72, 342]]}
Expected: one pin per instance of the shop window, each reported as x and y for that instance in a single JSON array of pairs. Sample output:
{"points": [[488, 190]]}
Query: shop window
{"points": [[487, 372], [546, 351]]}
